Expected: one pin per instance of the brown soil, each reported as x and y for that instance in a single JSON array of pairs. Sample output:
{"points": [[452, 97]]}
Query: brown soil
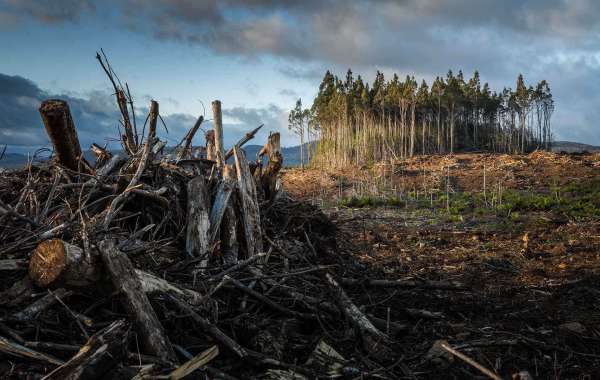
{"points": [[532, 303]]}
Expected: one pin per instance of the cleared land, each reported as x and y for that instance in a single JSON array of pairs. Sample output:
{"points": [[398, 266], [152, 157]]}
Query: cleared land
{"points": [[528, 248]]}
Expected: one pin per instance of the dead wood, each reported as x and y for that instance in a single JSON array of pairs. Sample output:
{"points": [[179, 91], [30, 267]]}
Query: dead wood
{"points": [[249, 204], [268, 177], [63, 135], [55, 259], [15, 349], [135, 301], [361, 323], [102, 352], [218, 128], [198, 221]]}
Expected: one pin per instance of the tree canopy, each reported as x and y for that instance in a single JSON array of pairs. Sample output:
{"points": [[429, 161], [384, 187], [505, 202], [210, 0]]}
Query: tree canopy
{"points": [[359, 123]]}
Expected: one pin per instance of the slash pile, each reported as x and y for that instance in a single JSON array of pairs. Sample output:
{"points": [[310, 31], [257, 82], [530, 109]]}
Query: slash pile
{"points": [[156, 263]]}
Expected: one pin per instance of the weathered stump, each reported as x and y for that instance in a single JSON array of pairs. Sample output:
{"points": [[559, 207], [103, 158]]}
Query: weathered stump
{"points": [[57, 119]]}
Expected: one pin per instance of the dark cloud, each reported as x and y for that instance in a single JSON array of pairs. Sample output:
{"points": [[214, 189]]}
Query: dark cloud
{"points": [[97, 120], [20, 123], [538, 38], [54, 11], [240, 120]]}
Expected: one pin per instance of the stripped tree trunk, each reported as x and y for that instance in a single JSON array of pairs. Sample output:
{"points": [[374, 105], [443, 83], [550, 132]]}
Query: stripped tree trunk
{"points": [[229, 243], [224, 190], [57, 262], [218, 123], [198, 223], [249, 204], [210, 145], [269, 175], [135, 301], [61, 130], [101, 353]]}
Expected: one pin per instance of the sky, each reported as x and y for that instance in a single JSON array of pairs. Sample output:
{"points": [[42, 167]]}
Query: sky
{"points": [[259, 56]]}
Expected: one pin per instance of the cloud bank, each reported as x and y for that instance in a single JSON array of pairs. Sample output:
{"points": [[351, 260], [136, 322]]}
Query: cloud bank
{"points": [[556, 40]]}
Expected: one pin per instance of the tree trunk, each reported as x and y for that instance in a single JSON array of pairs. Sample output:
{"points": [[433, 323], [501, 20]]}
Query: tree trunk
{"points": [[198, 222], [218, 125], [135, 301], [63, 135], [55, 262], [269, 175], [101, 353], [249, 204], [211, 153]]}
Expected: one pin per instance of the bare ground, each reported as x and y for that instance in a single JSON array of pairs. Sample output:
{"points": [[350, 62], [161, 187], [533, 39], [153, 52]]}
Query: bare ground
{"points": [[533, 275]]}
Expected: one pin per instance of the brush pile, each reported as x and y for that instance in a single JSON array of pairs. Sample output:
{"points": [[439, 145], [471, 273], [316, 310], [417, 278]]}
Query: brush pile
{"points": [[157, 263]]}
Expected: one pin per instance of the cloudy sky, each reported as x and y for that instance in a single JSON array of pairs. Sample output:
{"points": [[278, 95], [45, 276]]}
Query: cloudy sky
{"points": [[259, 56]]}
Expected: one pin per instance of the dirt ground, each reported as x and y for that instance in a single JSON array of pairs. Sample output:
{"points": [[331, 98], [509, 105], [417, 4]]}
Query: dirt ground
{"points": [[532, 275]]}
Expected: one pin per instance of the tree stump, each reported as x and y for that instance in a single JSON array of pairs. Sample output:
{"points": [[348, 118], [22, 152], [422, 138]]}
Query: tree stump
{"points": [[57, 119], [55, 261]]}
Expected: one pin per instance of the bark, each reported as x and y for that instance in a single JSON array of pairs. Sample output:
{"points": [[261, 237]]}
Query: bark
{"points": [[185, 149], [360, 322], [55, 259], [249, 205], [198, 223], [136, 302], [15, 349], [210, 145], [57, 119], [102, 352], [218, 123], [269, 176], [84, 271]]}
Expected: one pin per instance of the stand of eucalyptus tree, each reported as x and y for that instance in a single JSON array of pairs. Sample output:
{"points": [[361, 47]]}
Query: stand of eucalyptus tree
{"points": [[360, 123]]}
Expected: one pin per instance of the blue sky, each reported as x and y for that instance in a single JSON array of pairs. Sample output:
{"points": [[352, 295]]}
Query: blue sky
{"points": [[258, 56]]}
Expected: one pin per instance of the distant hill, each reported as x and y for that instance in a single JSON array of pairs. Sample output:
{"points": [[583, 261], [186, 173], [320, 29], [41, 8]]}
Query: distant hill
{"points": [[291, 156], [573, 147]]}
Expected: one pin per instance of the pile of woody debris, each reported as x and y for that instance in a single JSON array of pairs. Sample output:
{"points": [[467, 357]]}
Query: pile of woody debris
{"points": [[148, 264]]}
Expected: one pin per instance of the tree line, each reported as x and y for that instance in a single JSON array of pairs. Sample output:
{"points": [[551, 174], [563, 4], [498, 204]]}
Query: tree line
{"points": [[356, 122]]}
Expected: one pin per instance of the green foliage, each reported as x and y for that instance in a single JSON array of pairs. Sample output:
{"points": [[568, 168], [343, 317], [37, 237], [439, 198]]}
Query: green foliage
{"points": [[369, 201], [393, 118]]}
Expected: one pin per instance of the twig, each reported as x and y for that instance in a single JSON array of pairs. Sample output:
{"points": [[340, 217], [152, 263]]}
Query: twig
{"points": [[471, 362]]}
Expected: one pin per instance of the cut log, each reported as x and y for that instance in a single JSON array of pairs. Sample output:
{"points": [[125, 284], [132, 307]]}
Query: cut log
{"points": [[211, 153], [55, 259], [197, 362], [247, 137], [198, 221], [57, 119], [229, 241], [152, 284], [102, 352], [102, 155], [81, 271], [13, 264], [361, 323], [425, 284], [32, 311], [249, 204], [224, 190], [268, 177], [218, 124], [185, 149], [123, 277], [15, 349]]}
